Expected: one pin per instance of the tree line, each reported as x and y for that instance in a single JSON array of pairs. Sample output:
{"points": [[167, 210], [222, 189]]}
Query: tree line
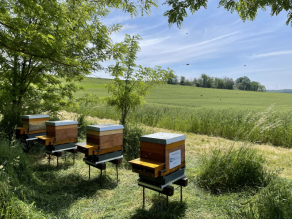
{"points": [[241, 83]]}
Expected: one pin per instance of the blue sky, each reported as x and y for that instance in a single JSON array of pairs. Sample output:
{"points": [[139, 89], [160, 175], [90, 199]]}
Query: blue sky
{"points": [[218, 44]]}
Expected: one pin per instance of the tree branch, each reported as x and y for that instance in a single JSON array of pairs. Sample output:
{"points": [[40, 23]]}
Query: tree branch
{"points": [[38, 56], [7, 26]]}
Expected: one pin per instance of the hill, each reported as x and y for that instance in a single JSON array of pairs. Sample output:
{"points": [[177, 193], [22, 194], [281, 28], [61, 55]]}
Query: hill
{"points": [[196, 97]]}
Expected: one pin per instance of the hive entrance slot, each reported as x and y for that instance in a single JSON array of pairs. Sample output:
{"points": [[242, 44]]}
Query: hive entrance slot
{"points": [[143, 170]]}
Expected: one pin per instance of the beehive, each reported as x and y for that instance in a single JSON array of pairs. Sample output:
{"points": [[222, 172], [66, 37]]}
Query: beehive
{"points": [[60, 132], [102, 139], [160, 154], [32, 124]]}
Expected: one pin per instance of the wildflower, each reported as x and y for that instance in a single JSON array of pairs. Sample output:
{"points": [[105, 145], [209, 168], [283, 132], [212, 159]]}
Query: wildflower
{"points": [[1, 167]]}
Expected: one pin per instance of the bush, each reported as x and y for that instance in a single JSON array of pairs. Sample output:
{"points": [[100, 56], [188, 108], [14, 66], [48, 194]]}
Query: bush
{"points": [[82, 123], [274, 201], [131, 143], [230, 169]]}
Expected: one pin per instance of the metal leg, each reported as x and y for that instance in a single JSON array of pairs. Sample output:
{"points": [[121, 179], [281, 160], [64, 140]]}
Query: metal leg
{"points": [[117, 173], [101, 177], [49, 159], [89, 170], [74, 159], [65, 155], [57, 160], [167, 200], [143, 197], [181, 194]]}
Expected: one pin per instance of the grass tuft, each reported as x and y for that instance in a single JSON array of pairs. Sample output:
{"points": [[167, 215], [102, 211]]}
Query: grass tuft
{"points": [[230, 169]]}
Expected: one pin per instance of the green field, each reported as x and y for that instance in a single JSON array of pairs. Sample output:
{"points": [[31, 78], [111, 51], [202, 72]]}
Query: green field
{"points": [[231, 114], [197, 97]]}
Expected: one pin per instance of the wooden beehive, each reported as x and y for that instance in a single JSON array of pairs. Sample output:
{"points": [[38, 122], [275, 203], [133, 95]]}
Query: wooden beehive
{"points": [[102, 139], [160, 154], [32, 124], [60, 132]]}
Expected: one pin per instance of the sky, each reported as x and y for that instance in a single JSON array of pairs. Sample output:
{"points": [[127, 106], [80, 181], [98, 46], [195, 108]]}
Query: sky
{"points": [[214, 42]]}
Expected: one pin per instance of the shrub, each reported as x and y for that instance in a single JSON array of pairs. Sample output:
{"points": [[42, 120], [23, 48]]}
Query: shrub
{"points": [[131, 143], [82, 123], [274, 201], [230, 169]]}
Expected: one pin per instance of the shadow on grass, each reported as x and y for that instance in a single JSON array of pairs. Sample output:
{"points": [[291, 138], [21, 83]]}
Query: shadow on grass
{"points": [[159, 209], [53, 193]]}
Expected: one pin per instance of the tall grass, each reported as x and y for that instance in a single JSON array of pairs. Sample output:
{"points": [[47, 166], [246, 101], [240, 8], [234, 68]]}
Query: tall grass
{"points": [[267, 126], [274, 201], [14, 174], [230, 169]]}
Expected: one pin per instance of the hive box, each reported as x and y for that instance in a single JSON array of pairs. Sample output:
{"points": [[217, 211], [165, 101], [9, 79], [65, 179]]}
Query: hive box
{"points": [[32, 124], [160, 154], [102, 139], [60, 132]]}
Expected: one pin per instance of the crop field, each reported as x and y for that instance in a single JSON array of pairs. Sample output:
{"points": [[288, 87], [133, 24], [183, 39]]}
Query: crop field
{"points": [[233, 114], [197, 98]]}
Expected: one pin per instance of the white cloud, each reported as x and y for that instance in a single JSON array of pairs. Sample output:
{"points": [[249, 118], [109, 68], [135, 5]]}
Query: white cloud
{"points": [[152, 42], [117, 19], [127, 26], [201, 43], [270, 54]]}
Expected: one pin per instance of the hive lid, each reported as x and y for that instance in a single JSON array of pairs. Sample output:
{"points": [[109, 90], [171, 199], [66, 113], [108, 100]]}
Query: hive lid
{"points": [[39, 116], [104, 127], [163, 138], [61, 123]]}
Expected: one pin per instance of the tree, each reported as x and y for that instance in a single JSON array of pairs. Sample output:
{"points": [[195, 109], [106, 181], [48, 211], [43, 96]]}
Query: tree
{"points": [[45, 46], [243, 83], [254, 86], [182, 80], [172, 78], [219, 83], [262, 88], [207, 81], [132, 82], [247, 10], [175, 80], [229, 83]]}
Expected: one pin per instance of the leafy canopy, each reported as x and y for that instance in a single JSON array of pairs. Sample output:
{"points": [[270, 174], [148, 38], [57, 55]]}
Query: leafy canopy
{"points": [[44, 47], [246, 9]]}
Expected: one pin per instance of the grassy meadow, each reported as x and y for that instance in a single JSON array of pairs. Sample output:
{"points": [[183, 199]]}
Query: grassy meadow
{"points": [[227, 178], [66, 192], [233, 114]]}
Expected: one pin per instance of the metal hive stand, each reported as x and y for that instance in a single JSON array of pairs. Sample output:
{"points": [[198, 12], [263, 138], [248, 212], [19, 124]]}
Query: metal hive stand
{"points": [[102, 165], [58, 152], [166, 188], [29, 138]]}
